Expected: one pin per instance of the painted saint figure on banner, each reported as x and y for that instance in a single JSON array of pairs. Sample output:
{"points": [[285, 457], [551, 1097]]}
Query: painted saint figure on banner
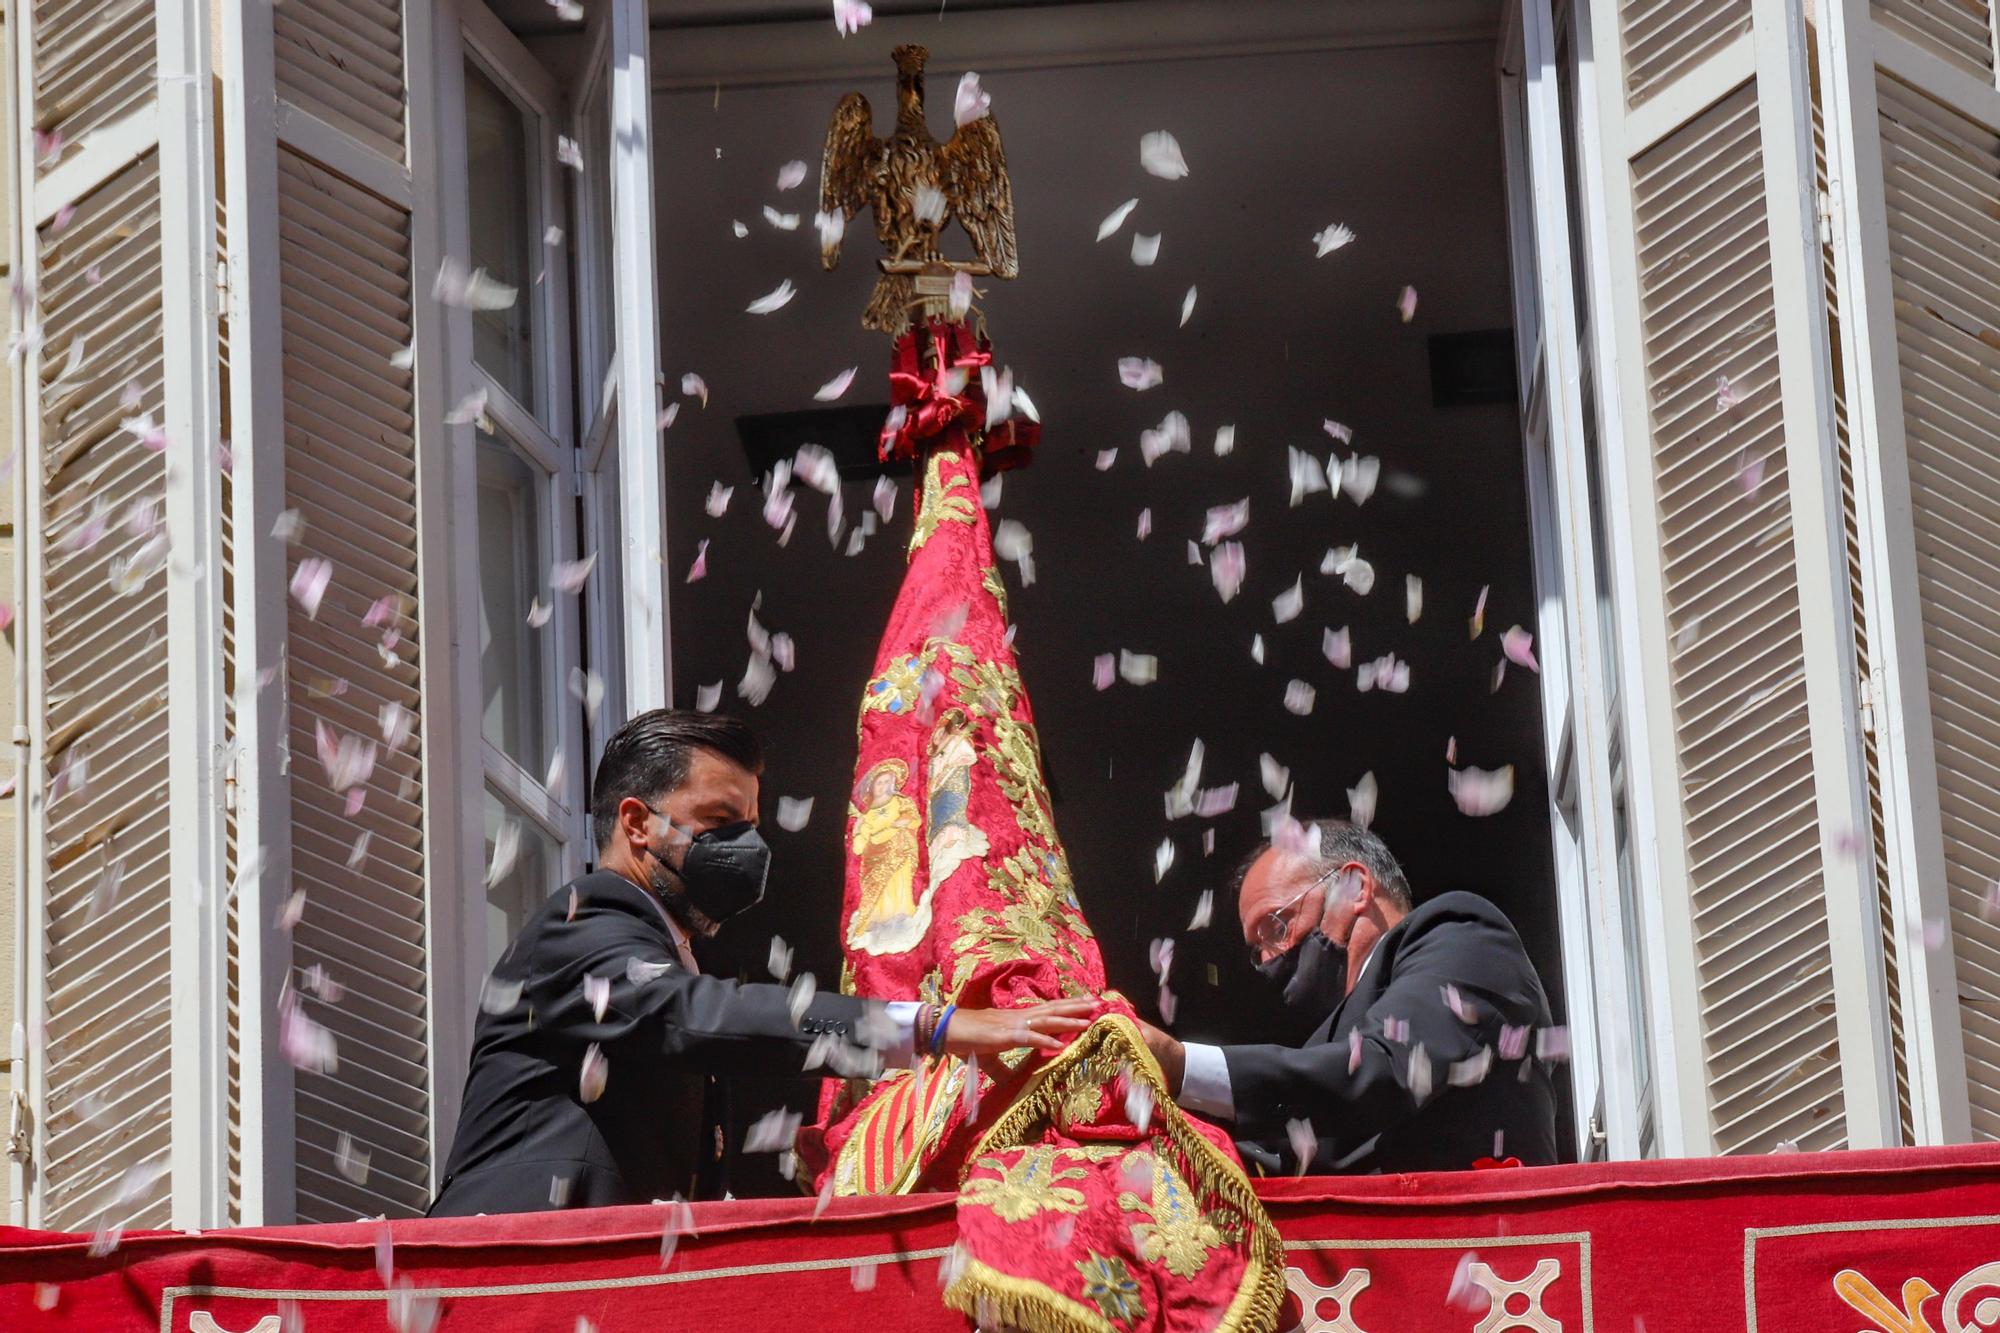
{"points": [[886, 825], [954, 838]]}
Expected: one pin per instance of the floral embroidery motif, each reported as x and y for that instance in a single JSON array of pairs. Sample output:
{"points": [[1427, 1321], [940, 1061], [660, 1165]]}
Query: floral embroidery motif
{"points": [[1108, 1285], [897, 689], [942, 502], [1177, 1233], [1027, 1187]]}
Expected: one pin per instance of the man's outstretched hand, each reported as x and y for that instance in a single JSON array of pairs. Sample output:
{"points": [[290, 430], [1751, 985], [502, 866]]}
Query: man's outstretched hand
{"points": [[1167, 1049], [1042, 1026]]}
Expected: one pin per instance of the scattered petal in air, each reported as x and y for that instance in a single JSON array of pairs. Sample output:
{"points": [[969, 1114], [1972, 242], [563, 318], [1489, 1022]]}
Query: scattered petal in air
{"points": [[1163, 859], [1187, 307], [1145, 523], [1299, 698], [309, 583], [862, 1276], [1338, 431], [835, 387], [1025, 405], [506, 850], [718, 499], [1116, 218], [289, 527], [552, 235], [1105, 458], [1478, 622], [1170, 436], [1227, 566], [800, 997], [1451, 750], [538, 614], [1552, 1045], [928, 203], [851, 16], [1204, 910], [699, 569], [1225, 441], [794, 812], [1304, 1143], [1103, 670], [736, 226], [1413, 597], [587, 687], [1286, 605], [142, 428], [1139, 372], [758, 678], [1256, 644], [782, 221], [1308, 477], [1464, 1293], [1406, 304], [1277, 779], [961, 296], [1333, 238], [707, 697], [597, 994], [1138, 668], [1160, 155], [780, 959], [1726, 396], [1479, 792], [568, 153], [1194, 553], [1338, 645], [775, 299], [470, 410], [1225, 521], [1385, 673], [885, 497], [971, 101], [693, 385], [569, 575], [791, 175], [1750, 473], [1362, 799], [1215, 802], [474, 289], [1358, 476], [1519, 646], [1145, 249], [596, 1074]]}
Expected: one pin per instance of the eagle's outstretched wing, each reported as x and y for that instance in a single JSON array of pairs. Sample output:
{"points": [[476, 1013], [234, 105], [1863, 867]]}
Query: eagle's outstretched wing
{"points": [[846, 172], [974, 171]]}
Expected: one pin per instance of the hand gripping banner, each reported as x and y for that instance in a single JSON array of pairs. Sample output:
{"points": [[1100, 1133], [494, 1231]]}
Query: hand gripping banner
{"points": [[1087, 1200]]}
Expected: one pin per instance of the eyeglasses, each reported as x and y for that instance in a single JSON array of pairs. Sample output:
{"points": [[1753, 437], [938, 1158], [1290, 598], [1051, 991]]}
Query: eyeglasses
{"points": [[1271, 929]]}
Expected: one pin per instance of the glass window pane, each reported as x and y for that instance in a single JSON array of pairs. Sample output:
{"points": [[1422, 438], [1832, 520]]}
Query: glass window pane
{"points": [[513, 675], [506, 235], [528, 862]]}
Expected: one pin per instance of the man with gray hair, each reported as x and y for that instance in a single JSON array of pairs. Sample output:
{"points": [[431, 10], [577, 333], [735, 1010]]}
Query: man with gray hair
{"points": [[1434, 1040]]}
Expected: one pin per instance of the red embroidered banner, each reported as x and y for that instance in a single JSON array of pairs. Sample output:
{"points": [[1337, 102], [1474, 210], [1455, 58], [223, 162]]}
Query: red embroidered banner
{"points": [[1087, 1199], [1905, 1241]]}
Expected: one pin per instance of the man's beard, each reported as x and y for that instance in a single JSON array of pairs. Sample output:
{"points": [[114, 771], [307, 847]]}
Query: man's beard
{"points": [[668, 889]]}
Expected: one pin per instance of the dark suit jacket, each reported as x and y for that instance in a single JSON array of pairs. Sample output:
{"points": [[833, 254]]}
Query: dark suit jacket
{"points": [[524, 1122], [1377, 1117]]}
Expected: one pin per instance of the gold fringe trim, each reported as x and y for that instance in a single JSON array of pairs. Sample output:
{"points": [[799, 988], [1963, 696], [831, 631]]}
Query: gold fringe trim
{"points": [[992, 1298], [1260, 1298]]}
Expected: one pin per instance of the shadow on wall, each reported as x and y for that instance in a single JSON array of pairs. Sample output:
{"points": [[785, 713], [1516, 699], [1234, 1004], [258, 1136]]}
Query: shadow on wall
{"points": [[1402, 146]]}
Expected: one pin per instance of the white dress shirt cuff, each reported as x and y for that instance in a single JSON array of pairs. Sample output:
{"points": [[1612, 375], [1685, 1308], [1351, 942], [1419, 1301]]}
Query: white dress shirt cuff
{"points": [[1205, 1082], [902, 1049]]}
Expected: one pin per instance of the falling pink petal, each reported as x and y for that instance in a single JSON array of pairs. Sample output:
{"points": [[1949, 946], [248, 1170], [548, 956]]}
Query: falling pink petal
{"points": [[1103, 670], [699, 569], [569, 575], [1145, 524], [1337, 430], [849, 17], [1478, 621], [1750, 473], [1519, 647], [1726, 396], [1353, 1050], [1406, 304], [1139, 372], [1480, 793], [791, 175], [309, 583], [596, 1074], [1227, 567], [1225, 521], [836, 386], [971, 101]]}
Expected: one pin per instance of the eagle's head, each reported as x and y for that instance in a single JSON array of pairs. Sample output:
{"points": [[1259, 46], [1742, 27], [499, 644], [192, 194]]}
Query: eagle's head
{"points": [[910, 58]]}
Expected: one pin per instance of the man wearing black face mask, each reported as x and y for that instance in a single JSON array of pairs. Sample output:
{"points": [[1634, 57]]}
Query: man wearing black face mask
{"points": [[597, 1033], [1426, 1053]]}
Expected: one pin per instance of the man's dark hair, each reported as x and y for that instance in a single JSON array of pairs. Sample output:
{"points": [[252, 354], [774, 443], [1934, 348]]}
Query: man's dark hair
{"points": [[1341, 842], [650, 755]]}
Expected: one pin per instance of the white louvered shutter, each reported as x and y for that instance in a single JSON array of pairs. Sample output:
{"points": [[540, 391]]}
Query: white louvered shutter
{"points": [[1771, 921], [123, 856], [330, 285], [1917, 144]]}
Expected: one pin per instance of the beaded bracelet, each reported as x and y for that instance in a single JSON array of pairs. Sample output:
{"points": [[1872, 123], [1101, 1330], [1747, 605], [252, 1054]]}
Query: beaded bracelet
{"points": [[926, 1025]]}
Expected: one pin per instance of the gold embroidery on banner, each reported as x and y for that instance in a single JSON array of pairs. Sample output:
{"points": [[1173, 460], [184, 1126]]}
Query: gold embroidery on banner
{"points": [[1867, 1299], [1031, 1185], [1985, 1275], [1108, 1284], [942, 502], [1178, 1232], [989, 578], [1027, 1304]]}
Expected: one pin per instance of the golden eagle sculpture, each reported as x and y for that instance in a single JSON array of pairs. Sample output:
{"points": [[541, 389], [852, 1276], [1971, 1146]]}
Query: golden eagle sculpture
{"points": [[916, 185]]}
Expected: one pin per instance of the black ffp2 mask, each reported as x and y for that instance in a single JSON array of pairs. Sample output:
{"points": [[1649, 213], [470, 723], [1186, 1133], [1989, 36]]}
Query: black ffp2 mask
{"points": [[724, 871], [1312, 974]]}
